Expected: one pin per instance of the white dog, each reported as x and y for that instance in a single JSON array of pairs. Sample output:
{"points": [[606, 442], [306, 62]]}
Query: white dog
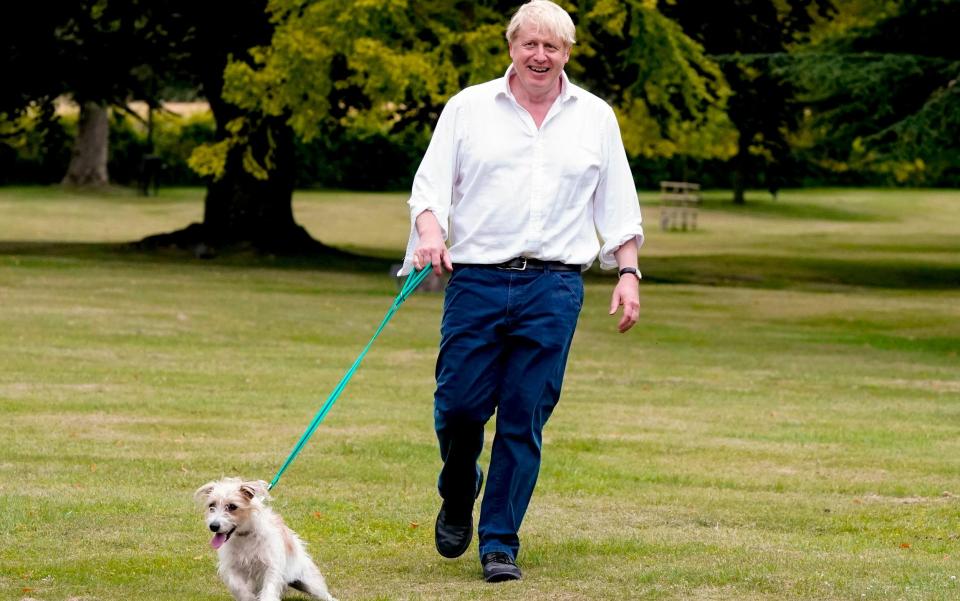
{"points": [[259, 555]]}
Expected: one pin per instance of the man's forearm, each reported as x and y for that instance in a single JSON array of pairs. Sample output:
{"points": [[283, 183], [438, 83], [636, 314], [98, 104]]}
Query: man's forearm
{"points": [[428, 226], [626, 255]]}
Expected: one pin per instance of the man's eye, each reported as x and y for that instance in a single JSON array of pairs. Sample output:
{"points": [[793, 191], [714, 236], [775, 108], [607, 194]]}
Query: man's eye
{"points": [[231, 507]]}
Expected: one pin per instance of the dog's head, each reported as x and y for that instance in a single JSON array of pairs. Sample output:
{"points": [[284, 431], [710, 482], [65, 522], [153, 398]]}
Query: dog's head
{"points": [[229, 504]]}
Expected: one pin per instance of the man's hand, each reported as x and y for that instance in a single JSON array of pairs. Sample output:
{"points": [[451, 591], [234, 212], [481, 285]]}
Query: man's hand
{"points": [[432, 248], [627, 294]]}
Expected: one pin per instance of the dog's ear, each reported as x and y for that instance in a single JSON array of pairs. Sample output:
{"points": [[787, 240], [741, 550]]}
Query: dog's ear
{"points": [[255, 488], [201, 495]]}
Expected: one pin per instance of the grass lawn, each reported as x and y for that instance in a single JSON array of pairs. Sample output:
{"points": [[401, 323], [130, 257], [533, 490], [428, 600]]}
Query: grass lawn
{"points": [[784, 422]]}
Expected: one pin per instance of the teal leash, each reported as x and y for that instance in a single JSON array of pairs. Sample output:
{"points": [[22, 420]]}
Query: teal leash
{"points": [[411, 283]]}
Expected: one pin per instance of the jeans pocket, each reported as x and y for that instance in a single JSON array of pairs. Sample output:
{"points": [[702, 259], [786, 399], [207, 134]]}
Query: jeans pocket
{"points": [[571, 282]]}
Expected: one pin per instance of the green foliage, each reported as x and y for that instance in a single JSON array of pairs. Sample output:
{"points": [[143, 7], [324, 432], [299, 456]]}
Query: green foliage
{"points": [[39, 150], [851, 15], [106, 51], [882, 91], [34, 145], [670, 98], [742, 36], [36, 149], [379, 67], [369, 66], [351, 160], [174, 139]]}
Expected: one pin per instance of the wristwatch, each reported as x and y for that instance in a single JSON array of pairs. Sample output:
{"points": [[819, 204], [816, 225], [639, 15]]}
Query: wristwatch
{"points": [[632, 270]]}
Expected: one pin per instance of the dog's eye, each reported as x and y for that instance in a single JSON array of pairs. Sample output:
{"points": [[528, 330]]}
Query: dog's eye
{"points": [[212, 506], [231, 507]]}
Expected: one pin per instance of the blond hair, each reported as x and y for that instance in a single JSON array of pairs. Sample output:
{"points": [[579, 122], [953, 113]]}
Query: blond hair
{"points": [[548, 17]]}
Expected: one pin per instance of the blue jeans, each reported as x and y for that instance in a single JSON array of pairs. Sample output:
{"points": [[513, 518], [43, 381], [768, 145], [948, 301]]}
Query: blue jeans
{"points": [[505, 337]]}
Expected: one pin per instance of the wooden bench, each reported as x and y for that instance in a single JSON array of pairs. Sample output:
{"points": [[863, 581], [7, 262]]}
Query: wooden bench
{"points": [[679, 202]]}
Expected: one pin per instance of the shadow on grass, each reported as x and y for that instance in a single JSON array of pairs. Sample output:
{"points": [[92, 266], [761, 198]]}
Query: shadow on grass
{"points": [[708, 270], [793, 210], [789, 272], [331, 260]]}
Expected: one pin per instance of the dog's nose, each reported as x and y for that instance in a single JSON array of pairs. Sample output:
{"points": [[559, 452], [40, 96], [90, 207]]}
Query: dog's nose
{"points": [[215, 526]]}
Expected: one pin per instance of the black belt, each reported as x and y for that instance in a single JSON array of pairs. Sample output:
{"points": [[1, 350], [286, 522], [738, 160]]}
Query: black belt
{"points": [[523, 264]]}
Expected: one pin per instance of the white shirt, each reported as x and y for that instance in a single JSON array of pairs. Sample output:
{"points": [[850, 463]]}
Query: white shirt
{"points": [[502, 188]]}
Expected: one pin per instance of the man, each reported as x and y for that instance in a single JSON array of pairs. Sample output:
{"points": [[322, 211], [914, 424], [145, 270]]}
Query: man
{"points": [[522, 176]]}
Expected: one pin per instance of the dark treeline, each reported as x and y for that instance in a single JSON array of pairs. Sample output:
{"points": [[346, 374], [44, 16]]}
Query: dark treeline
{"points": [[375, 163]]}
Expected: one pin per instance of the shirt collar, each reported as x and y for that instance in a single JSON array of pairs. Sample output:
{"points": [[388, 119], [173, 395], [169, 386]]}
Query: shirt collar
{"points": [[568, 91]]}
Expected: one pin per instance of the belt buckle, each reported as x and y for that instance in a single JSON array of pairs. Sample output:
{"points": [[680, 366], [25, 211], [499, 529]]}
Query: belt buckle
{"points": [[524, 268]]}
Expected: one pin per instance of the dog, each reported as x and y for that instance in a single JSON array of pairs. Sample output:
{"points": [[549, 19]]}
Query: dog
{"points": [[259, 555]]}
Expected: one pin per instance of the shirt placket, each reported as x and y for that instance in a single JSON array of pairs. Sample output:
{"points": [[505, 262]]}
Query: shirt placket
{"points": [[537, 196], [539, 184]]}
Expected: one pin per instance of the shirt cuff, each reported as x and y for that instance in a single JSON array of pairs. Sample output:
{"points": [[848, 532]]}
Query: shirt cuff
{"points": [[417, 209], [607, 260]]}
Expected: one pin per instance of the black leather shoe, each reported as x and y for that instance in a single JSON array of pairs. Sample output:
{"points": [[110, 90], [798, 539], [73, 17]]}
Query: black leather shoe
{"points": [[499, 567], [454, 529]]}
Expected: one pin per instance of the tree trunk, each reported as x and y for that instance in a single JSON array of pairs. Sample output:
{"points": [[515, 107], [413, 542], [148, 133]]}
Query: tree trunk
{"points": [[739, 185], [240, 208], [88, 161], [740, 176], [241, 211]]}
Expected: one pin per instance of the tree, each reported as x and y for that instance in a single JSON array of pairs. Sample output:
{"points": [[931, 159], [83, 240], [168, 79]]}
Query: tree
{"points": [[669, 96], [107, 52], [27, 49], [880, 88], [380, 66], [745, 36], [97, 52], [388, 65], [247, 202], [33, 61], [83, 35]]}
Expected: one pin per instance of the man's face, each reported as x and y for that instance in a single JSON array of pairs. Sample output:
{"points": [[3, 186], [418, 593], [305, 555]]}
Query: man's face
{"points": [[538, 58]]}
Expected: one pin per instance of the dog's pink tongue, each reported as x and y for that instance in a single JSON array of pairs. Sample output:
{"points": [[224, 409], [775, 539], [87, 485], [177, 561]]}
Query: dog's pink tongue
{"points": [[218, 539]]}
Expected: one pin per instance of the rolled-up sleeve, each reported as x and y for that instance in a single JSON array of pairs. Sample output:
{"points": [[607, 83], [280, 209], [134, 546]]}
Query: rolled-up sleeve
{"points": [[433, 183], [616, 212]]}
